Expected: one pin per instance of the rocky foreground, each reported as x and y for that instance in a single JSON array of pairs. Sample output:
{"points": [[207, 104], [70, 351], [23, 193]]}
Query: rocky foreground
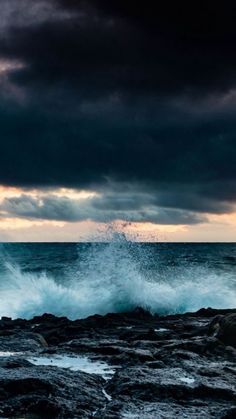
{"points": [[181, 366]]}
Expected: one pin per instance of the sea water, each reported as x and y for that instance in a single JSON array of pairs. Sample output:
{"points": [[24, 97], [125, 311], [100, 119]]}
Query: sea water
{"points": [[78, 280]]}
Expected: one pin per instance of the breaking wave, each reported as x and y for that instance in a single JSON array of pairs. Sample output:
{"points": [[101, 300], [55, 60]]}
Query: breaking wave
{"points": [[110, 279]]}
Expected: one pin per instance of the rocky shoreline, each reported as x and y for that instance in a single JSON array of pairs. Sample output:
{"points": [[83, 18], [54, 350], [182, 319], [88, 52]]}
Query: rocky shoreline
{"points": [[130, 365]]}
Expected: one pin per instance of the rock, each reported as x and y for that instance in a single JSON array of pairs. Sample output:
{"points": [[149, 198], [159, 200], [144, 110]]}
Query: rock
{"points": [[227, 330], [231, 414], [21, 341], [50, 391], [171, 409], [14, 362], [214, 325], [181, 366]]}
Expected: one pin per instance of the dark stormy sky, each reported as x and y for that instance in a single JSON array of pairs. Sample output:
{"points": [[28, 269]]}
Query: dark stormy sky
{"points": [[117, 110]]}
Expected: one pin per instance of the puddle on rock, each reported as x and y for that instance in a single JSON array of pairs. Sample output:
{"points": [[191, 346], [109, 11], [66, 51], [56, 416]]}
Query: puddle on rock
{"points": [[187, 380], [6, 354], [75, 363]]}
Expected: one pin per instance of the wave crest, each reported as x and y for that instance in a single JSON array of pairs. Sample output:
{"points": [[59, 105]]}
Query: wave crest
{"points": [[110, 280]]}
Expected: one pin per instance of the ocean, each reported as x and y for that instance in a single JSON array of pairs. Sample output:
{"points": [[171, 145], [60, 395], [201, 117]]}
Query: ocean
{"points": [[77, 280]]}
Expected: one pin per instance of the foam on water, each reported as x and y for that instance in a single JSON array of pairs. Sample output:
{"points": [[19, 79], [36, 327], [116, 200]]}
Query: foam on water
{"points": [[109, 279]]}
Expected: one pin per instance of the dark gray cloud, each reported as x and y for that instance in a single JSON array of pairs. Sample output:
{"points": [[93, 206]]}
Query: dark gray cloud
{"points": [[135, 48], [100, 209], [115, 95]]}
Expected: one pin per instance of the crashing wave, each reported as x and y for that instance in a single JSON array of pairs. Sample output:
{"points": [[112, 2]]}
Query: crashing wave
{"points": [[110, 279]]}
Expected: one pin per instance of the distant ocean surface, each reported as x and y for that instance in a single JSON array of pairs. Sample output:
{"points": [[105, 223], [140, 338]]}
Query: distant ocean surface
{"points": [[78, 280]]}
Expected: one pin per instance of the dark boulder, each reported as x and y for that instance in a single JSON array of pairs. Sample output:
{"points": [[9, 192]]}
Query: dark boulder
{"points": [[227, 330]]}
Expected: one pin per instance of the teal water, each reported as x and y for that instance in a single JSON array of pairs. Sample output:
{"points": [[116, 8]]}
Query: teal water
{"points": [[78, 280]]}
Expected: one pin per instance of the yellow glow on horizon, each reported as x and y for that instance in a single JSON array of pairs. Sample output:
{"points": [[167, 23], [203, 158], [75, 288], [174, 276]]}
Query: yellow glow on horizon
{"points": [[223, 218], [151, 232], [139, 231], [163, 228], [74, 194], [9, 192], [218, 227], [21, 223], [14, 192], [16, 229]]}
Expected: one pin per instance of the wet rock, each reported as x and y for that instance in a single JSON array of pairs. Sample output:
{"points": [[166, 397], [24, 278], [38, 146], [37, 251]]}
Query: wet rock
{"points": [[156, 364], [14, 362], [230, 414], [173, 409], [181, 366], [174, 382], [50, 391], [21, 341], [227, 330]]}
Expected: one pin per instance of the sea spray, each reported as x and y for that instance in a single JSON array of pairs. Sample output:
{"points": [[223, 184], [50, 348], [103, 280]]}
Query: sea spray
{"points": [[113, 277]]}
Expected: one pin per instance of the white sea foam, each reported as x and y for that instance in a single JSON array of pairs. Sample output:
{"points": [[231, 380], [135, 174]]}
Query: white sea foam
{"points": [[109, 279]]}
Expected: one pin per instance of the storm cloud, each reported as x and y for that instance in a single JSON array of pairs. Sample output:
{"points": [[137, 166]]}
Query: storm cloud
{"points": [[138, 97], [100, 209]]}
